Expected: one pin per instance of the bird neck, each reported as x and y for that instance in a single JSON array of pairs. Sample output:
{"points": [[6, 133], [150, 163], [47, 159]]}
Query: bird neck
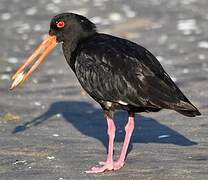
{"points": [[71, 48], [71, 43]]}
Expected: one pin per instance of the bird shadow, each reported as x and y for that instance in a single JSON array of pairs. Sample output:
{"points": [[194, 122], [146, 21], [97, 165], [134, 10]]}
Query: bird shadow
{"points": [[90, 122]]}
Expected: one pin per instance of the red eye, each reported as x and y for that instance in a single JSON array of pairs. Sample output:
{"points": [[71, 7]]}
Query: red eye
{"points": [[60, 24]]}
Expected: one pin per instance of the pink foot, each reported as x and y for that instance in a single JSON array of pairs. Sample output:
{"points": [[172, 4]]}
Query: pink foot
{"points": [[116, 164], [105, 166]]}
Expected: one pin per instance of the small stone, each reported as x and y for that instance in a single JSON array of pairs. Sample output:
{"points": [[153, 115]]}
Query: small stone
{"points": [[187, 26], [5, 16], [37, 27], [20, 162], [163, 39], [34, 80], [37, 103], [201, 56], [203, 44], [115, 17], [31, 11], [50, 157], [52, 8], [9, 117], [12, 60], [56, 1], [8, 69], [128, 11], [5, 77], [185, 71]]}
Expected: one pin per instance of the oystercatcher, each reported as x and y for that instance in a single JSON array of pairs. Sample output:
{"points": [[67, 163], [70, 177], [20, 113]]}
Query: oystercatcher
{"points": [[115, 72]]}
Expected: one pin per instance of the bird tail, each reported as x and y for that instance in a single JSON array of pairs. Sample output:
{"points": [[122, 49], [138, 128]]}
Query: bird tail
{"points": [[189, 113], [188, 109]]}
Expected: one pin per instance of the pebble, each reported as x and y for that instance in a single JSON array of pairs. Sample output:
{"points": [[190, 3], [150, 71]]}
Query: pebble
{"points": [[203, 44], [172, 46], [37, 103], [50, 157], [188, 2], [5, 77], [37, 27], [35, 81], [57, 1], [52, 8], [5, 16], [163, 39], [25, 37], [201, 56], [31, 11], [8, 69], [185, 71], [99, 2], [12, 60], [128, 11], [115, 16], [23, 28], [187, 26], [20, 162], [31, 42]]}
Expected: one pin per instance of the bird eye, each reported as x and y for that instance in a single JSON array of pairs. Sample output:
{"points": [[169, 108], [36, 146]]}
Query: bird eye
{"points": [[60, 24]]}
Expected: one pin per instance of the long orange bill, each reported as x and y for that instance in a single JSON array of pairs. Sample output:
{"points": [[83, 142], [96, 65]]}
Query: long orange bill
{"points": [[42, 51]]}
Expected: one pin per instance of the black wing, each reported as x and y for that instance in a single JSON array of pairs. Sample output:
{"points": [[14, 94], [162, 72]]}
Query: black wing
{"points": [[114, 69]]}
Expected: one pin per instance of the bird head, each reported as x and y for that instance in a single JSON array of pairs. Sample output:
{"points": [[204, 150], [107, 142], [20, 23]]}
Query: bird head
{"points": [[67, 28]]}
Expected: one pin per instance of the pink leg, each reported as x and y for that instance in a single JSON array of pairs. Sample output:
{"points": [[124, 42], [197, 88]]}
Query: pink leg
{"points": [[108, 165], [129, 130]]}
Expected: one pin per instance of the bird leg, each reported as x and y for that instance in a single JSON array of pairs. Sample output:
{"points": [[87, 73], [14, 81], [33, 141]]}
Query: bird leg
{"points": [[129, 130], [108, 165]]}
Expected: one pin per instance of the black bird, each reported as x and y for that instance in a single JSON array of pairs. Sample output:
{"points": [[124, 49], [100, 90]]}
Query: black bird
{"points": [[117, 73]]}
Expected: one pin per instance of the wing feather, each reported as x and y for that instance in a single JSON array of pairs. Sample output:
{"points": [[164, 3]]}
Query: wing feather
{"points": [[114, 69]]}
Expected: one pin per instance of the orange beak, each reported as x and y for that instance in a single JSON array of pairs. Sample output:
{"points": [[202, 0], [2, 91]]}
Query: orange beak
{"points": [[42, 52]]}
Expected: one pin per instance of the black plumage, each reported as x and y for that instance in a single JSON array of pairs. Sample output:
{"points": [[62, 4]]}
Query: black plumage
{"points": [[114, 70], [117, 73]]}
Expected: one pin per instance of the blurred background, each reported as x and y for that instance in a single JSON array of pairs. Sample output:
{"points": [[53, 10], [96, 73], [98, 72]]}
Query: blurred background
{"points": [[50, 129]]}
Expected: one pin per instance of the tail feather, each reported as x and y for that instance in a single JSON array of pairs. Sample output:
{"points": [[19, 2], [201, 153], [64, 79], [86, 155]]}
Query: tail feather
{"points": [[189, 113], [188, 109]]}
